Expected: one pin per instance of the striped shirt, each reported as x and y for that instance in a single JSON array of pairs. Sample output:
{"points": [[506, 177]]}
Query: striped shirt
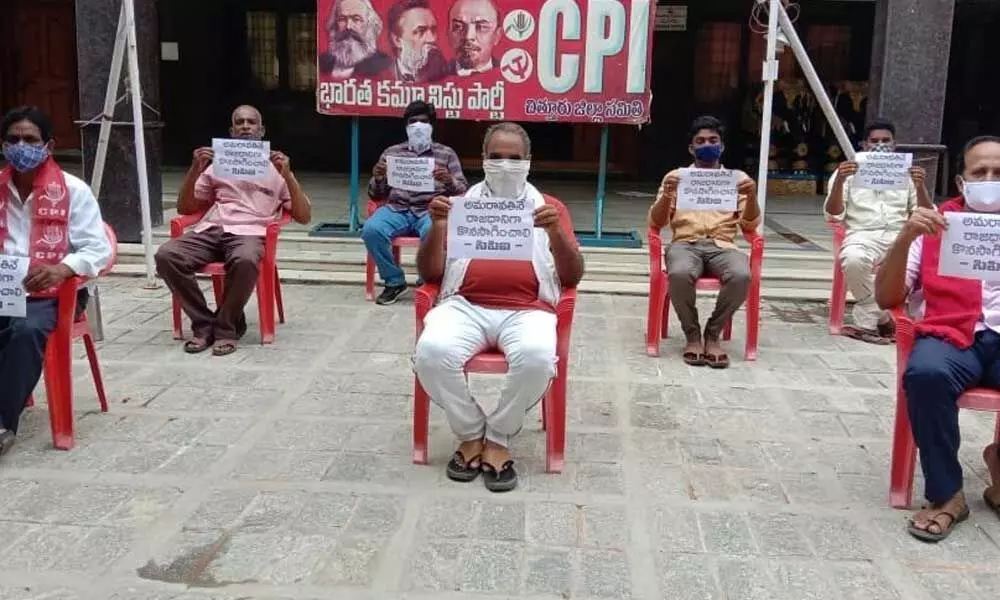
{"points": [[416, 202]]}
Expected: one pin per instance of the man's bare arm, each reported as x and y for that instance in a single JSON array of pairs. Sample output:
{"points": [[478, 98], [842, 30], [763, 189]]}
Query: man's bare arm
{"points": [[431, 254], [568, 258]]}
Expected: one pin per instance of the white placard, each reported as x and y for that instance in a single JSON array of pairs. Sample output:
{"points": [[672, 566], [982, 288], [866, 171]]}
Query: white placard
{"points": [[241, 159], [413, 174], [491, 228], [708, 189], [671, 18], [883, 170], [970, 247], [13, 270]]}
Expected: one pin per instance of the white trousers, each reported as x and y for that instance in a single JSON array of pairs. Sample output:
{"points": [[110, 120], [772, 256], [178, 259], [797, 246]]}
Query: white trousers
{"points": [[454, 332], [862, 250]]}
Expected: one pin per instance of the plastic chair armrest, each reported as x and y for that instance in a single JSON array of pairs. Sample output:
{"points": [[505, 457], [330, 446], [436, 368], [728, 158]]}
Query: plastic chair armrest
{"points": [[423, 300], [181, 222], [655, 252], [564, 320]]}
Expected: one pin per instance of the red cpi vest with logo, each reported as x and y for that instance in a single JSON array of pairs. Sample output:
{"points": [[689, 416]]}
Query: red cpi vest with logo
{"points": [[49, 241]]}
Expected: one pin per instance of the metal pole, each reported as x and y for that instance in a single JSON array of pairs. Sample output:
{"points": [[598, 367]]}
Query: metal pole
{"points": [[814, 82], [110, 100], [602, 176], [135, 86], [352, 211], [770, 74]]}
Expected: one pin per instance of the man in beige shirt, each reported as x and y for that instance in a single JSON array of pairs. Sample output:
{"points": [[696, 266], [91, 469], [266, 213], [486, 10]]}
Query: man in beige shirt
{"points": [[703, 243], [872, 219]]}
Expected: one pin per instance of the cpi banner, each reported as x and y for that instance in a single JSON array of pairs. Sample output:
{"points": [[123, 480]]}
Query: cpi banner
{"points": [[522, 60]]}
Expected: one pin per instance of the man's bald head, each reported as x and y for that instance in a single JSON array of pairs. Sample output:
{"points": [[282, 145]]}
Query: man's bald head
{"points": [[247, 123]]}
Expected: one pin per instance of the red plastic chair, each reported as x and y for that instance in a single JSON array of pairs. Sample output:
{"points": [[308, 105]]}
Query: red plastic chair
{"points": [[658, 318], [58, 368], [904, 448], [268, 281], [553, 403], [397, 243], [838, 293]]}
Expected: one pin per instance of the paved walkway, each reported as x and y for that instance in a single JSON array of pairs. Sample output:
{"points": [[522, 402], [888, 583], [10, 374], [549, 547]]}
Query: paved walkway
{"points": [[284, 473]]}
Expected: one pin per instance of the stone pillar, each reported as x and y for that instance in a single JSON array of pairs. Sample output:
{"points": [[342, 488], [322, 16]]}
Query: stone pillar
{"points": [[909, 70], [96, 26]]}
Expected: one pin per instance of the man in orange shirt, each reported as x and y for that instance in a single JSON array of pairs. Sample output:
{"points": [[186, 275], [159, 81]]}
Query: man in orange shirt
{"points": [[703, 244], [239, 211], [507, 304]]}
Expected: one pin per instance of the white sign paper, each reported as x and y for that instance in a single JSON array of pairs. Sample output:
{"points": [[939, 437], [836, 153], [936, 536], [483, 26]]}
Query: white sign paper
{"points": [[883, 170], [671, 18], [13, 270], [491, 228], [413, 174], [708, 189], [241, 159], [970, 247]]}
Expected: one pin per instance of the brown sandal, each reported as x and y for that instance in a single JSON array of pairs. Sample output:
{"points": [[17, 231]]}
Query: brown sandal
{"points": [[717, 361], [926, 535], [223, 348], [197, 345]]}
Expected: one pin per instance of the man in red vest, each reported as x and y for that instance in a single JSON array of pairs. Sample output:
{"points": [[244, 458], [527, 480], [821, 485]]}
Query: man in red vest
{"points": [[51, 219], [957, 345]]}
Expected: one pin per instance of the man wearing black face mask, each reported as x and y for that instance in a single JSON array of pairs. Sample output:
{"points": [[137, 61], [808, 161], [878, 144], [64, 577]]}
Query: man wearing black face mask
{"points": [[873, 219], [703, 243], [50, 218]]}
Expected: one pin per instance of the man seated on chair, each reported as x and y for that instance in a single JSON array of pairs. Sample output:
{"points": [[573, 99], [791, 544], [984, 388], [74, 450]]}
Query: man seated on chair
{"points": [[405, 212], [703, 245], [957, 343], [872, 220], [504, 304], [51, 218], [232, 231]]}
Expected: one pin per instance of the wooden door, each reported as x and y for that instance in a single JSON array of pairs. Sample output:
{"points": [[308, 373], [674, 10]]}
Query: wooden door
{"points": [[44, 64]]}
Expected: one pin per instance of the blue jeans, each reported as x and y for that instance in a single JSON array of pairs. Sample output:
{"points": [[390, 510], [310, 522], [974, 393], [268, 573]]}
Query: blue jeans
{"points": [[937, 373], [379, 231]]}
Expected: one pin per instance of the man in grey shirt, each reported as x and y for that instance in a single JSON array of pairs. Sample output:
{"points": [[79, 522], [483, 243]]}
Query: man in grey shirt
{"points": [[405, 212]]}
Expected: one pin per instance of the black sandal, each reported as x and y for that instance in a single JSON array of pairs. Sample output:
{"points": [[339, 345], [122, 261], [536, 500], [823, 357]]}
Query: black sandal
{"points": [[503, 480], [462, 470], [693, 359]]}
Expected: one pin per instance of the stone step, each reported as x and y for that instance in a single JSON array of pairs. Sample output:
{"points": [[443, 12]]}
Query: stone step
{"points": [[809, 270], [769, 289]]}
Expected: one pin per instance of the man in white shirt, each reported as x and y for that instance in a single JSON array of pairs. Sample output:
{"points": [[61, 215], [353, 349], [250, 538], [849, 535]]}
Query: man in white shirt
{"points": [[873, 219], [51, 218], [957, 344]]}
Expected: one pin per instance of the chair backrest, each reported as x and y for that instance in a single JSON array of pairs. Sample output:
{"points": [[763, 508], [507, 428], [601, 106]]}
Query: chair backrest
{"points": [[113, 241]]}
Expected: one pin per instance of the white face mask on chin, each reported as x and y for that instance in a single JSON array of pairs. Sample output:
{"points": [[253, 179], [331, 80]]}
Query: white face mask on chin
{"points": [[506, 177], [982, 196]]}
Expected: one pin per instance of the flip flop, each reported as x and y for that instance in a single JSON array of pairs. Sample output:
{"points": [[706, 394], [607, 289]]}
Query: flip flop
{"points": [[932, 538], [462, 470], [503, 480], [694, 359], [197, 345], [862, 335], [224, 348], [717, 361]]}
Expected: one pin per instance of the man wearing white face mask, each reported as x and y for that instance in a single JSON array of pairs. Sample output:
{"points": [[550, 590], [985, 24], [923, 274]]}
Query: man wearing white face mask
{"points": [[507, 304], [957, 345], [405, 212], [872, 219]]}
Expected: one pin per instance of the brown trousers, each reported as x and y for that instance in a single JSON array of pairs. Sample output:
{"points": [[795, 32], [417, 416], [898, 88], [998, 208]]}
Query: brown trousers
{"points": [[178, 260], [686, 261]]}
